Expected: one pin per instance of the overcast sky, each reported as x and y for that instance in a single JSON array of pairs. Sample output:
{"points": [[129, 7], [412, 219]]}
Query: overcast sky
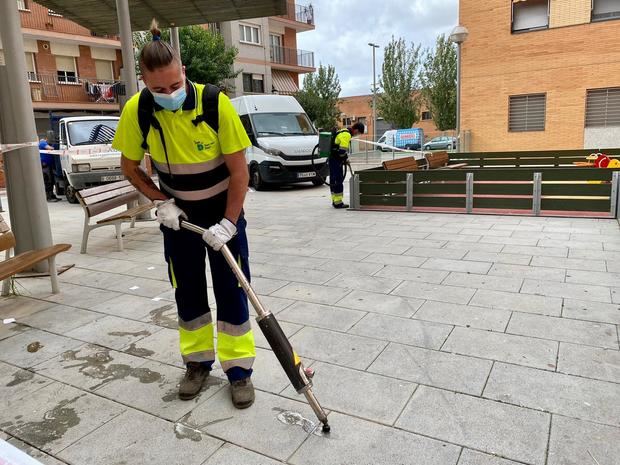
{"points": [[345, 27]]}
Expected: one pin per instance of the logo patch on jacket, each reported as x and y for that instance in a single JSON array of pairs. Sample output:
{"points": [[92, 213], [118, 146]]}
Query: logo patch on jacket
{"points": [[200, 146]]}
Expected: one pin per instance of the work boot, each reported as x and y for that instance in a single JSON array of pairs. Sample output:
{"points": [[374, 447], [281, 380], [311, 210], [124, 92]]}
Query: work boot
{"points": [[242, 393], [191, 384], [340, 205], [52, 198]]}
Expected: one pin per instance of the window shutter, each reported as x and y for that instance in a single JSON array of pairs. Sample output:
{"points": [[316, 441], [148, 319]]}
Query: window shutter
{"points": [[527, 113], [64, 63], [603, 108]]}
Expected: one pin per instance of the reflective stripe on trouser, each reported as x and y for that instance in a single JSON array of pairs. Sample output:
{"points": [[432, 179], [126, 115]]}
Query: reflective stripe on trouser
{"points": [[185, 253], [336, 179]]}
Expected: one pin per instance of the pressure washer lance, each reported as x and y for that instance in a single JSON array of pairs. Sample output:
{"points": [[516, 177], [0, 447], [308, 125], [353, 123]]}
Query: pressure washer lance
{"points": [[290, 361]]}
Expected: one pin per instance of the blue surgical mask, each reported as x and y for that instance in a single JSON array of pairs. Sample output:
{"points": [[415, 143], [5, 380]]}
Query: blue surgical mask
{"points": [[171, 101]]}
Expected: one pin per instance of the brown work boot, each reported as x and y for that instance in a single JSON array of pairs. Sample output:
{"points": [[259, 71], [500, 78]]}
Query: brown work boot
{"points": [[192, 382], [242, 393]]}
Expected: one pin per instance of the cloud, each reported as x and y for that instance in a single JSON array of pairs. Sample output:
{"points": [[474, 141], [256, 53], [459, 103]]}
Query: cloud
{"points": [[345, 27]]}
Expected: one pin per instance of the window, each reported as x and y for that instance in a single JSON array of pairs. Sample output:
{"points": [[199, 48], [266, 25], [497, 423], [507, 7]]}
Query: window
{"points": [[247, 124], [282, 124], [31, 69], [53, 13], [253, 83], [103, 70], [605, 9], [603, 108], [426, 116], [346, 121], [249, 34], [66, 69], [22, 5], [527, 113], [528, 15]]}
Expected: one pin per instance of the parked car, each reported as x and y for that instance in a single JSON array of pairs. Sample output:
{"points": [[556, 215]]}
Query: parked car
{"points": [[441, 142]]}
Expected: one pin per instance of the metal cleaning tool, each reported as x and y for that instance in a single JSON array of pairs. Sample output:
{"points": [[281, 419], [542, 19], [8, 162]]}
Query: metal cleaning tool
{"points": [[290, 361]]}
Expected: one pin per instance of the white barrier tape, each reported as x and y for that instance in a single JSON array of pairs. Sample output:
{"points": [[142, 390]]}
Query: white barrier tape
{"points": [[10, 147], [392, 148], [74, 151]]}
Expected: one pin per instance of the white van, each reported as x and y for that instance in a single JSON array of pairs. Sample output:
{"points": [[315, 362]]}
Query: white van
{"points": [[283, 139]]}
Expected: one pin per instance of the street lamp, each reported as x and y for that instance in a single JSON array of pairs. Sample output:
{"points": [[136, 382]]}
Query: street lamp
{"points": [[374, 93], [458, 36]]}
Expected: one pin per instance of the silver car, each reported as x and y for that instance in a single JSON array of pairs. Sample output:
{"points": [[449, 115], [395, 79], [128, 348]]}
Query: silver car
{"points": [[441, 142]]}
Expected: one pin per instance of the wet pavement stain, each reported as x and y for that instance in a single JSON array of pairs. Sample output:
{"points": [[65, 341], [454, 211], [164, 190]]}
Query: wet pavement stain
{"points": [[34, 347], [171, 396], [182, 431], [138, 351], [127, 333], [295, 419], [19, 377], [159, 317]]}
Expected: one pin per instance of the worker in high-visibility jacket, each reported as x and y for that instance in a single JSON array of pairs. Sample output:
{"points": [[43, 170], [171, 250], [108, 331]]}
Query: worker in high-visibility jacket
{"points": [[203, 177], [337, 159]]}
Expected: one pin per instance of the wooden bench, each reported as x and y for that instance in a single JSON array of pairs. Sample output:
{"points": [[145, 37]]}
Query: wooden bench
{"points": [[100, 199], [25, 260], [401, 164], [436, 160]]}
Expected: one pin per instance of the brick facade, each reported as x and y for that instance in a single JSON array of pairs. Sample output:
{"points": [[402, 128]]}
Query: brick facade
{"points": [[562, 62]]}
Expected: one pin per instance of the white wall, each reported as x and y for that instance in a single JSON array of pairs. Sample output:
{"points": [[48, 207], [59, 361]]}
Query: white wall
{"points": [[602, 138]]}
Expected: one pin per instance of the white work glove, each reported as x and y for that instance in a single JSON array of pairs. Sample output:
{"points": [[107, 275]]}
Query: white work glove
{"points": [[219, 234], [168, 214]]}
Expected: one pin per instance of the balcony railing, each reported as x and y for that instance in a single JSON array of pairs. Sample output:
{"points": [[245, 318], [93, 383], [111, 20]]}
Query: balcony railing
{"points": [[72, 89], [292, 57], [301, 13]]}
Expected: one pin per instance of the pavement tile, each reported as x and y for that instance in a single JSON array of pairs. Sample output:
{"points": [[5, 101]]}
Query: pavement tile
{"points": [[512, 432], [32, 347], [464, 266], [285, 260], [312, 293], [429, 252], [140, 286], [165, 316], [90, 278], [365, 283], [521, 350], [380, 303], [56, 416], [570, 263], [471, 457], [595, 254], [321, 316], [257, 428], [567, 395], [428, 243], [537, 251], [577, 442], [615, 295], [300, 275], [268, 374], [591, 244], [372, 444], [518, 302], [525, 241], [60, 318], [259, 339], [230, 454], [563, 329], [433, 368], [479, 281], [457, 244], [498, 257], [351, 267], [20, 306], [133, 307], [16, 383], [341, 254], [404, 330], [439, 292], [599, 278], [163, 346], [567, 290], [530, 272], [464, 315], [141, 438], [35, 453], [113, 332], [395, 260], [368, 395], [412, 274], [341, 349], [589, 362], [75, 296], [591, 311]]}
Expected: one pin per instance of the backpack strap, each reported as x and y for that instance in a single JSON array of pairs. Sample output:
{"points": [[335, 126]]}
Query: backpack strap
{"points": [[210, 108], [146, 106]]}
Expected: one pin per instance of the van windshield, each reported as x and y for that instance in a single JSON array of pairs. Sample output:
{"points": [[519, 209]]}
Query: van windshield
{"points": [[282, 124], [92, 132]]}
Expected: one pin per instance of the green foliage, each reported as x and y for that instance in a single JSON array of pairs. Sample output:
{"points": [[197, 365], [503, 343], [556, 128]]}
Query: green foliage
{"points": [[399, 103], [439, 83], [319, 97]]}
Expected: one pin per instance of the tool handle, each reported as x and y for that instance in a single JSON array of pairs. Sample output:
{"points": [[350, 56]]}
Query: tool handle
{"points": [[261, 311]]}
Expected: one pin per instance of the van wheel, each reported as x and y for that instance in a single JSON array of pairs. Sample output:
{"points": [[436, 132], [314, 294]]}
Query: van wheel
{"points": [[256, 179], [70, 193]]}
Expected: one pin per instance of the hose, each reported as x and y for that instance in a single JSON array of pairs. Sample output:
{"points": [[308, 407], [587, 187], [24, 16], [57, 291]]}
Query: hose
{"points": [[346, 167]]}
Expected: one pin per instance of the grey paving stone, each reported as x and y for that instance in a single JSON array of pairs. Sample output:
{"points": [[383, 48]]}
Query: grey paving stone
{"points": [[496, 428], [285, 260], [412, 274], [372, 444], [300, 275], [530, 272], [350, 267], [441, 293], [312, 293], [599, 278], [75, 296], [353, 392], [456, 244], [35, 453], [32, 347], [259, 339], [230, 454], [16, 383], [613, 266], [395, 260], [567, 290], [471, 457], [90, 278], [248, 428], [457, 265], [461, 237], [518, 302], [433, 368], [56, 416], [163, 346], [145, 287], [542, 235], [397, 246], [464, 315], [595, 254], [504, 347], [498, 257], [365, 283], [570, 263], [523, 241], [274, 304], [406, 331], [615, 295], [420, 251], [567, 395], [60, 318], [129, 306], [589, 362], [321, 316], [380, 303], [20, 307], [577, 442], [428, 243], [338, 348], [563, 329], [268, 374], [113, 332], [591, 244], [591, 311], [141, 438], [479, 281], [485, 232], [339, 253], [537, 251]]}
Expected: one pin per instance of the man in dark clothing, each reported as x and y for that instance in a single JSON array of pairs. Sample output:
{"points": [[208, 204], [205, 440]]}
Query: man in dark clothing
{"points": [[47, 165]]}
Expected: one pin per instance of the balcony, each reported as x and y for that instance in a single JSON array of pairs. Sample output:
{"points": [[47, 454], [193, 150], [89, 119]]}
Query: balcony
{"points": [[291, 58], [66, 91], [302, 15]]}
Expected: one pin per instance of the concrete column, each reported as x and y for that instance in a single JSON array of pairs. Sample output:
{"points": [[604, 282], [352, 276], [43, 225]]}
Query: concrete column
{"points": [[129, 59], [26, 194], [174, 39]]}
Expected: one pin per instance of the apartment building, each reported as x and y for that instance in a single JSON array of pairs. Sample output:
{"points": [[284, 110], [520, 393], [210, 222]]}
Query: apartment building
{"points": [[269, 60], [70, 70], [540, 74]]}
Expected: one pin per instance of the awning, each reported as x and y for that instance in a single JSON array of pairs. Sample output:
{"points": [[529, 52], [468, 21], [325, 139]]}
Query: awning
{"points": [[283, 82], [101, 16]]}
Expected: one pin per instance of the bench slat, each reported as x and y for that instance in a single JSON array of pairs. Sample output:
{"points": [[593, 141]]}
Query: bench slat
{"points": [[109, 204], [107, 195], [128, 214], [104, 188], [25, 260], [437, 159], [402, 164]]}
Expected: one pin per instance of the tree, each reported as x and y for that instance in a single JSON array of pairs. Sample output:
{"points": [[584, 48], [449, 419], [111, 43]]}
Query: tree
{"points": [[439, 83], [206, 57], [399, 103], [319, 97]]}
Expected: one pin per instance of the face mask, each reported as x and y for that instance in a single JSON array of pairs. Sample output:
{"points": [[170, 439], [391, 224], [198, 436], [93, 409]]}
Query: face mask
{"points": [[171, 101]]}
